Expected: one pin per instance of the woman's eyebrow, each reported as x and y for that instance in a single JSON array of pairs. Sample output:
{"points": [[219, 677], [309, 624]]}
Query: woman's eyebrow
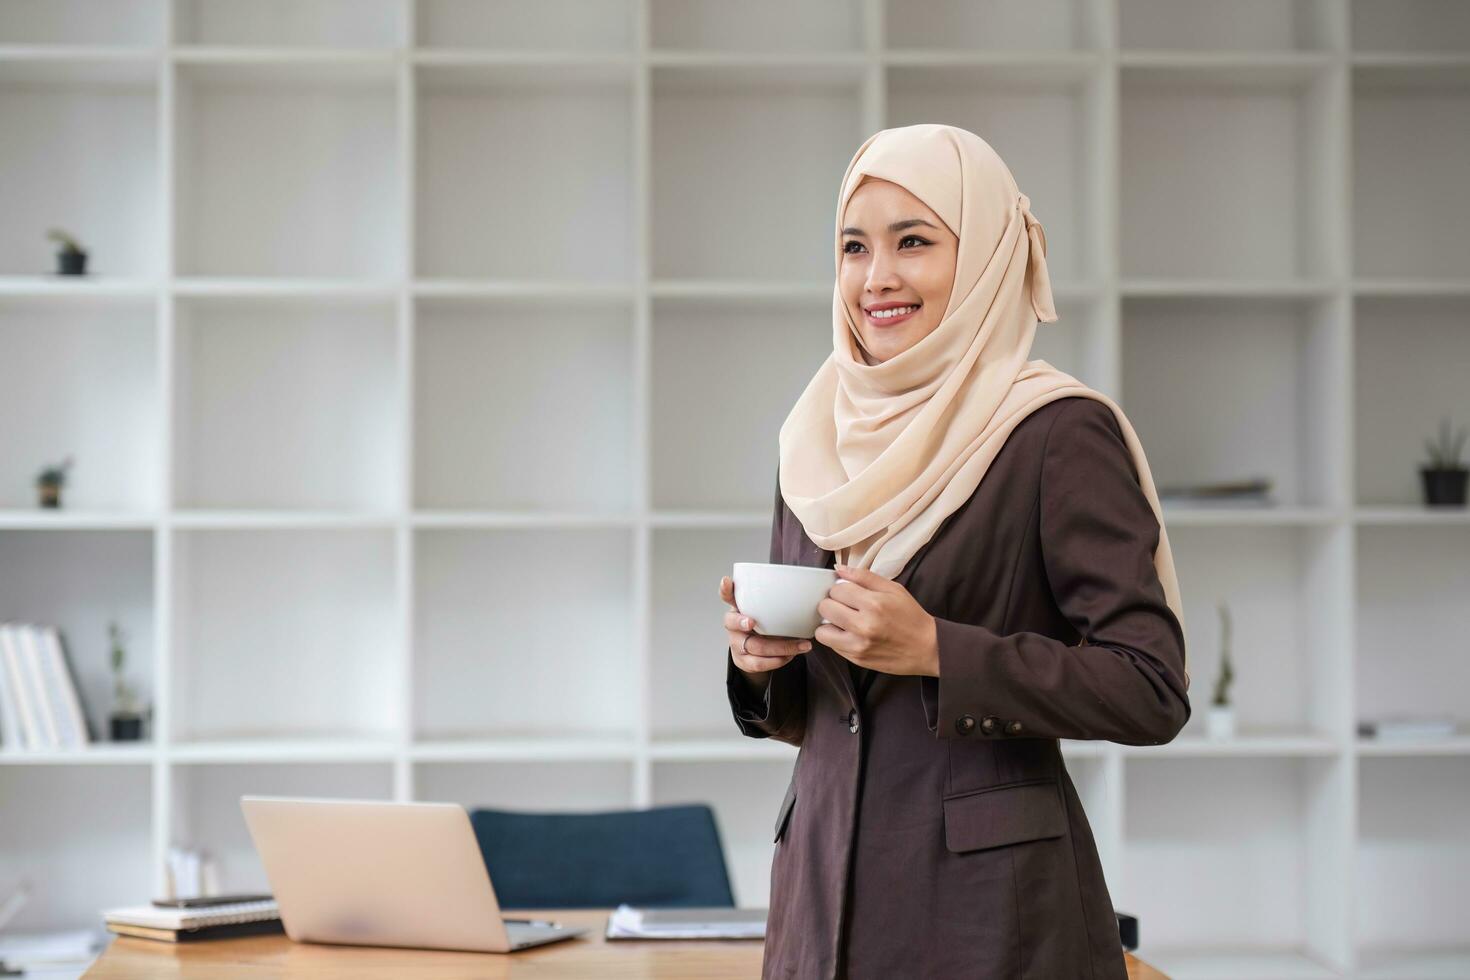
{"points": [[897, 226]]}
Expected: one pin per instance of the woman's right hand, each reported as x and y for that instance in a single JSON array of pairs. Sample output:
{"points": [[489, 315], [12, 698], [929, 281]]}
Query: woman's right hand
{"points": [[765, 652]]}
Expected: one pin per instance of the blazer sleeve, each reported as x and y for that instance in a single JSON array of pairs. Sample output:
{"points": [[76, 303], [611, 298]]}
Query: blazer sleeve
{"points": [[1125, 681], [781, 713]]}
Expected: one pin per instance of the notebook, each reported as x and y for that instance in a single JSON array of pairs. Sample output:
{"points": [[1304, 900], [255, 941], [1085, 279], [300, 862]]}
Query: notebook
{"points": [[206, 922], [628, 922]]}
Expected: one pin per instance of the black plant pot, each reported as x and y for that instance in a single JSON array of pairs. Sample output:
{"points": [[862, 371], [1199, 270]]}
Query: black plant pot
{"points": [[1444, 487], [126, 727], [71, 263], [49, 494]]}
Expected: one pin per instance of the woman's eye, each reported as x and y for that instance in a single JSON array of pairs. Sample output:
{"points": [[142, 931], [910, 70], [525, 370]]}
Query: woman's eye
{"points": [[905, 238]]}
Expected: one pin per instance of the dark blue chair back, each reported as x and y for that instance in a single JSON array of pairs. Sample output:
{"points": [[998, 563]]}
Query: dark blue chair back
{"points": [[668, 857]]}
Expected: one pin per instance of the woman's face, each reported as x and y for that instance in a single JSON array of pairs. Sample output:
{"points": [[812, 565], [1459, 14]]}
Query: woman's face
{"points": [[896, 254]]}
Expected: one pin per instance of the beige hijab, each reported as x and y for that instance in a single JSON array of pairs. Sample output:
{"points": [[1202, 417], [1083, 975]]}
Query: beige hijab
{"points": [[875, 457]]}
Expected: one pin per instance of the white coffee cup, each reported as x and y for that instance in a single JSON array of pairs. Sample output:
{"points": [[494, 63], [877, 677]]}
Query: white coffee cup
{"points": [[782, 599]]}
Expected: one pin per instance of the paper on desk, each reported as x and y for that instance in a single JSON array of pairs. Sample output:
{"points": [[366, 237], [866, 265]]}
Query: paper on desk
{"points": [[627, 922], [33, 949]]}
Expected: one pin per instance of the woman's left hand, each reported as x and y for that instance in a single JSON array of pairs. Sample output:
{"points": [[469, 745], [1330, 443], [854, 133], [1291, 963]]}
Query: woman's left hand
{"points": [[877, 624]]}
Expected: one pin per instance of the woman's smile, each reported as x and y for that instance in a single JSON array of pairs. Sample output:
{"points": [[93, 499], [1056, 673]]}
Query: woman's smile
{"points": [[887, 314]]}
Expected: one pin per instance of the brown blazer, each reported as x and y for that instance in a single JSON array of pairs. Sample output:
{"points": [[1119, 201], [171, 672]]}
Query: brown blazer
{"points": [[931, 828]]}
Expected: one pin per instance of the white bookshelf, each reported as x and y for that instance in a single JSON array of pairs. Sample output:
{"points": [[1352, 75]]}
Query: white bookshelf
{"points": [[429, 375]]}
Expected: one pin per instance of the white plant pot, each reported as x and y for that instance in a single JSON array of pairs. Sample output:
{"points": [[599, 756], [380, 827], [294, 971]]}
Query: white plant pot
{"points": [[1220, 721]]}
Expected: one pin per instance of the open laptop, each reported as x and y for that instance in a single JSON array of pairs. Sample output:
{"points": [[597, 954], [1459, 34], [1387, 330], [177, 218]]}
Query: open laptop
{"points": [[371, 873]]}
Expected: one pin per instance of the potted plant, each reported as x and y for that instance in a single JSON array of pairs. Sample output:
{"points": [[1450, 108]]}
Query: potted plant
{"points": [[126, 721], [49, 482], [1220, 722], [71, 259], [1444, 477]]}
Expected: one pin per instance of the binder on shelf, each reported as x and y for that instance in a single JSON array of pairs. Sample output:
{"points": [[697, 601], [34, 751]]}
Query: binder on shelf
{"points": [[10, 729], [20, 684], [40, 704]]}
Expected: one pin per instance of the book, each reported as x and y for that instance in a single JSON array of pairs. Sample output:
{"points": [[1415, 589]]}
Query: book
{"points": [[75, 731], [20, 686], [258, 927], [195, 920], [628, 922], [30, 652], [10, 730]]}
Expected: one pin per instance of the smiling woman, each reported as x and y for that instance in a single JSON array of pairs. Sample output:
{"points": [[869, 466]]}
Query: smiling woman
{"points": [[1004, 581], [898, 262]]}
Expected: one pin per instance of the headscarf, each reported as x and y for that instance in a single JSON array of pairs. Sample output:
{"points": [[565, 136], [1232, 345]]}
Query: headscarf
{"points": [[874, 457]]}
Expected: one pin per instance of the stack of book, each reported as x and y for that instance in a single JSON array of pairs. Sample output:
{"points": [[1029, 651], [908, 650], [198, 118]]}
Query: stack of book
{"points": [[180, 925], [40, 705]]}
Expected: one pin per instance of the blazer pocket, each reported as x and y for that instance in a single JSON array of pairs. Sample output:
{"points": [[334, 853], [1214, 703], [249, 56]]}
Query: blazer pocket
{"points": [[1008, 814], [786, 805]]}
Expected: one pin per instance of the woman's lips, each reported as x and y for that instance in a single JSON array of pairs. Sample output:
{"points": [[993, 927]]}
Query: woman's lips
{"points": [[889, 321]]}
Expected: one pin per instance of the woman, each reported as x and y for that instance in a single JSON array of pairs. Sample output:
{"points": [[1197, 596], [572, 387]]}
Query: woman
{"points": [[931, 828]]}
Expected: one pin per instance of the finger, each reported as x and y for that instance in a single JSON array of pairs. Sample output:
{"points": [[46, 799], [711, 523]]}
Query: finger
{"points": [[772, 646], [865, 577], [849, 594], [837, 613], [736, 620]]}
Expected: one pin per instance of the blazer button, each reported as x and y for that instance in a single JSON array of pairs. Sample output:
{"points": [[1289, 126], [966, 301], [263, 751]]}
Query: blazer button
{"points": [[852, 721], [988, 725], [1013, 728], [964, 724]]}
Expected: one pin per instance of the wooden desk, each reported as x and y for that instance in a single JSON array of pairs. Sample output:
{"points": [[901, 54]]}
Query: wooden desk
{"points": [[588, 956]]}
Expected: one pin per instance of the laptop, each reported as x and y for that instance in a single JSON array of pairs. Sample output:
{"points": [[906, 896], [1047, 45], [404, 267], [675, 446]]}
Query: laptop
{"points": [[372, 873]]}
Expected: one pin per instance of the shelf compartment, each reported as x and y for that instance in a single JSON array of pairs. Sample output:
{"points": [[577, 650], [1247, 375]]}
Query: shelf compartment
{"points": [[492, 379], [1045, 125], [79, 581], [1260, 137], [585, 26], [120, 23], [1411, 26], [310, 385], [82, 373], [206, 812], [1409, 147], [1237, 823], [757, 25], [291, 23], [745, 797], [81, 835], [1412, 862], [1252, 25], [54, 178], [1411, 585], [1046, 25], [1287, 640], [503, 195], [267, 621], [555, 786], [1202, 379], [688, 666], [1409, 373], [725, 375], [523, 632], [288, 170], [717, 127]]}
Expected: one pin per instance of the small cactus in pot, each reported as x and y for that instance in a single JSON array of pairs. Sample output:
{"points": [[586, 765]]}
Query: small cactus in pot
{"points": [[1445, 476], [50, 481], [71, 258]]}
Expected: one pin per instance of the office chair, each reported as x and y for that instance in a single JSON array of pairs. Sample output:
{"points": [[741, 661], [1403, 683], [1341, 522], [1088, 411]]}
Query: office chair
{"points": [[668, 856]]}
